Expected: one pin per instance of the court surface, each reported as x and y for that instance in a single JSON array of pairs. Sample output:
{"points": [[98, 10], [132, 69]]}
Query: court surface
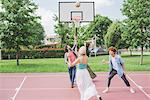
{"points": [[56, 86]]}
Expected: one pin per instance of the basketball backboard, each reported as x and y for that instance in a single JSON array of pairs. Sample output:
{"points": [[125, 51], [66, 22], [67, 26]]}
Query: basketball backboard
{"points": [[68, 11]]}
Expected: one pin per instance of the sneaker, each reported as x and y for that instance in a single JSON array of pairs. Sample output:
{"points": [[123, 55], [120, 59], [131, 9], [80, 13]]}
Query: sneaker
{"points": [[100, 98], [72, 86], [74, 83], [131, 90], [106, 90]]}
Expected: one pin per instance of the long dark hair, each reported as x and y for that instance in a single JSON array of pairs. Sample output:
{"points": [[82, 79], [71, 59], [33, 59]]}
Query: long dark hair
{"points": [[65, 49]]}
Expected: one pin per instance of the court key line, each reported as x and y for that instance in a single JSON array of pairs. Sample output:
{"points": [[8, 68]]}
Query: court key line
{"points": [[18, 89], [139, 87]]}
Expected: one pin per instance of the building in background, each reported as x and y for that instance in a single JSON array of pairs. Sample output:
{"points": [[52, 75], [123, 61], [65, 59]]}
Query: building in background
{"points": [[52, 39]]}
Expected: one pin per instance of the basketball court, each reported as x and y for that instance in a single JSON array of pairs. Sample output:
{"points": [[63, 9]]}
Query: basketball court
{"points": [[56, 86]]}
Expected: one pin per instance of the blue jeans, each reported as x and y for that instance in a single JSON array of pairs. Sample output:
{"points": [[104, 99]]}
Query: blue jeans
{"points": [[72, 74]]}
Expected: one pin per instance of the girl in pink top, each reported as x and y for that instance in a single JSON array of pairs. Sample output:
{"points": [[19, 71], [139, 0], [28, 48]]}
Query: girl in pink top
{"points": [[70, 58]]}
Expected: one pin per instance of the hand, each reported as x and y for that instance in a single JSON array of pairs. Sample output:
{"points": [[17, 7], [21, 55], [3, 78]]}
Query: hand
{"points": [[104, 61], [124, 72], [68, 64]]}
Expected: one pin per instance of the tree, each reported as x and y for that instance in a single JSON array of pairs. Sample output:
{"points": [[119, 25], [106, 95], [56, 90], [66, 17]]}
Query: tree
{"points": [[99, 28], [128, 35], [20, 27], [113, 36], [67, 31], [138, 13], [62, 29]]}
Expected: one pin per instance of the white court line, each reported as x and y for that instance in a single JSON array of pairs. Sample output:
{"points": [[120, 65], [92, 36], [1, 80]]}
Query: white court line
{"points": [[139, 87], [66, 75], [66, 88], [34, 76], [18, 89], [60, 88], [55, 88]]}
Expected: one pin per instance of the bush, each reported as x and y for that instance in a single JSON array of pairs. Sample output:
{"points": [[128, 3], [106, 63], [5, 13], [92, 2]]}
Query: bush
{"points": [[31, 54]]}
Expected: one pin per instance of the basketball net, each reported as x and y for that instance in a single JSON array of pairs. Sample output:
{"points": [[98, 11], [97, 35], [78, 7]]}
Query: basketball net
{"points": [[76, 20]]}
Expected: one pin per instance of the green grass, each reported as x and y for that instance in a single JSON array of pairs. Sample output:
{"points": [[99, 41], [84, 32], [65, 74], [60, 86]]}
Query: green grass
{"points": [[58, 65]]}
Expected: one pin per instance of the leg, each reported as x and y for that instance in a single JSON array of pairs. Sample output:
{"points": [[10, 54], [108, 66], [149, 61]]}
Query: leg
{"points": [[98, 97], [125, 80], [111, 75], [127, 83], [73, 75], [80, 87], [69, 70], [70, 74]]}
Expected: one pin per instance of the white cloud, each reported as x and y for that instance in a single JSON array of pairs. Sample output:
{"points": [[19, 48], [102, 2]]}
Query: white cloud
{"points": [[46, 20]]}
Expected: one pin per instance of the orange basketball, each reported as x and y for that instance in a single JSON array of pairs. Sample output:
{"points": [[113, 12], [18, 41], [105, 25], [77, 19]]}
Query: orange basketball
{"points": [[77, 4]]}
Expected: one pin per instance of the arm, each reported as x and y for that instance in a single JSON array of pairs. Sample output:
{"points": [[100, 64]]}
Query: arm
{"points": [[74, 46], [74, 49], [74, 63], [66, 58], [123, 67], [105, 62], [124, 71], [122, 63]]}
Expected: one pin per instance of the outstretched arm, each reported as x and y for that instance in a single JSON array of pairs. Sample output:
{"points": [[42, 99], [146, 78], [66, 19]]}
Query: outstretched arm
{"points": [[74, 49], [105, 62]]}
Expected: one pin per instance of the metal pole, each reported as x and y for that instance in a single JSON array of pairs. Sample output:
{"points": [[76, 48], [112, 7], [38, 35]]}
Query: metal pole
{"points": [[95, 45], [75, 39], [0, 50]]}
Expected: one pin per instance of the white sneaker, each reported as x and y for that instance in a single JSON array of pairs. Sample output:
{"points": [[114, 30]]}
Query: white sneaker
{"points": [[131, 90], [106, 90]]}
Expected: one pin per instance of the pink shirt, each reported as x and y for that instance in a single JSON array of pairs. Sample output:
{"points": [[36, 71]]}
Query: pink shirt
{"points": [[71, 57]]}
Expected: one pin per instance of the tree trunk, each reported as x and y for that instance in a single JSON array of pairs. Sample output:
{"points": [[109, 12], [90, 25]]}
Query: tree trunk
{"points": [[142, 44], [61, 43], [141, 60], [130, 52], [17, 57], [0, 54]]}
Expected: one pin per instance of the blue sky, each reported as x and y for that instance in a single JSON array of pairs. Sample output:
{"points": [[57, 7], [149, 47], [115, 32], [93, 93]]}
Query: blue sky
{"points": [[47, 9]]}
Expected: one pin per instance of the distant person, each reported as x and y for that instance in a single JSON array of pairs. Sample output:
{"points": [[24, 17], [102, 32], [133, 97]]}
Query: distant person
{"points": [[116, 67], [84, 82], [69, 58]]}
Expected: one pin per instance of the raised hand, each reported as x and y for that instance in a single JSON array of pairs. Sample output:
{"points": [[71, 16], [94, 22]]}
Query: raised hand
{"points": [[104, 61]]}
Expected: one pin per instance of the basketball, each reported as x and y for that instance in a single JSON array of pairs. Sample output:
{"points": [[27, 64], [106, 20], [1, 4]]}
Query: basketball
{"points": [[77, 4]]}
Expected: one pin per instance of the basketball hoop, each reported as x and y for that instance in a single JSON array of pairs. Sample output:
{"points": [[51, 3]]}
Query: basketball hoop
{"points": [[76, 12], [76, 20]]}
